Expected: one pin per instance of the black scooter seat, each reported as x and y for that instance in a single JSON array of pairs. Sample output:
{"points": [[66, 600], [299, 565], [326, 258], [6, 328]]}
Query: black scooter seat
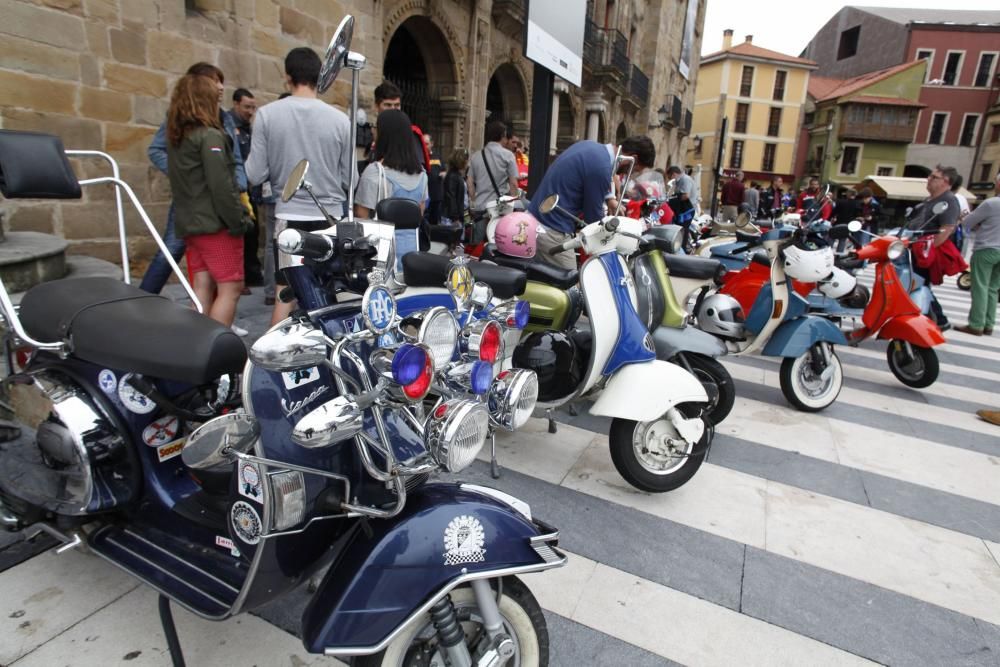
{"points": [[540, 271], [688, 266], [760, 257], [449, 235], [118, 326], [849, 263], [748, 238], [423, 269]]}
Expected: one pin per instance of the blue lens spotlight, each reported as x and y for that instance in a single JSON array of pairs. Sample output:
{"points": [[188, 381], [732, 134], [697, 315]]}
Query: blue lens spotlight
{"points": [[522, 310], [481, 377], [408, 363]]}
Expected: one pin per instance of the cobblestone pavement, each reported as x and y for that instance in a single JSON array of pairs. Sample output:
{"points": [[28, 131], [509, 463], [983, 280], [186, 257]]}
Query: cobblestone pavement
{"points": [[868, 532]]}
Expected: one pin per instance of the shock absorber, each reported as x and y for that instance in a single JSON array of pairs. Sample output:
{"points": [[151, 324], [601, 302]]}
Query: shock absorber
{"points": [[445, 621]]}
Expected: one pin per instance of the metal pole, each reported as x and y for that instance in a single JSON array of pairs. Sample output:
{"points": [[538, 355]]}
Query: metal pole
{"points": [[355, 79], [720, 151], [542, 86]]}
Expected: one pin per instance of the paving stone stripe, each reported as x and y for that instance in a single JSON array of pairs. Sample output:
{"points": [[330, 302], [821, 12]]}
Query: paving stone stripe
{"points": [[864, 377], [938, 508], [901, 618]]}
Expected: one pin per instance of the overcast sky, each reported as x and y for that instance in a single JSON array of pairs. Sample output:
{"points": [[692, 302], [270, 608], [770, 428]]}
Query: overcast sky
{"points": [[788, 25]]}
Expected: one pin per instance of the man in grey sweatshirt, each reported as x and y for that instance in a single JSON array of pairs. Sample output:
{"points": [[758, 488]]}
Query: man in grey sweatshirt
{"points": [[298, 127]]}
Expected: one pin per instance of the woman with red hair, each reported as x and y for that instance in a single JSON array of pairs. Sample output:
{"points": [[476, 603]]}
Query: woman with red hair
{"points": [[209, 215]]}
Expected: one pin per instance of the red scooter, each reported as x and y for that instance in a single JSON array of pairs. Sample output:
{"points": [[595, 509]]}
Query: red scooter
{"points": [[892, 315]]}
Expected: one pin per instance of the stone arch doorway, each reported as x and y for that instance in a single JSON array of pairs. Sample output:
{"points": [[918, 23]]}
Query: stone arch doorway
{"points": [[566, 126], [419, 61], [507, 98], [621, 134]]}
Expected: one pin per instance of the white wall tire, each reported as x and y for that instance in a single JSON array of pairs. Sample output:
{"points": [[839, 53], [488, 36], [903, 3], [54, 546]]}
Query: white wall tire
{"points": [[803, 388]]}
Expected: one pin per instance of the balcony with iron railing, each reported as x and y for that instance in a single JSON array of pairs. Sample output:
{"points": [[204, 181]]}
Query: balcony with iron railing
{"points": [[605, 55], [638, 88]]}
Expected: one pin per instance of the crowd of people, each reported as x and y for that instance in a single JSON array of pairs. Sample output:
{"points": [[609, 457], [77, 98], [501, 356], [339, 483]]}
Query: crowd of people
{"points": [[226, 167]]}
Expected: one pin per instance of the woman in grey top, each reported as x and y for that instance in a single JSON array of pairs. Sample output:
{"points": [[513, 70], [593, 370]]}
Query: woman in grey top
{"points": [[985, 223]]}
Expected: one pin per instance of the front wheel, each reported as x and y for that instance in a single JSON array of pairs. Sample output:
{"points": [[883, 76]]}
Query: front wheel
{"points": [[812, 381], [652, 456], [964, 281], [917, 367], [522, 618], [718, 384]]}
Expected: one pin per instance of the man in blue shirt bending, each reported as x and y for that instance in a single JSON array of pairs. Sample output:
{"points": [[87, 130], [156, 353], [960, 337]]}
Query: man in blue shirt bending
{"points": [[581, 176]]}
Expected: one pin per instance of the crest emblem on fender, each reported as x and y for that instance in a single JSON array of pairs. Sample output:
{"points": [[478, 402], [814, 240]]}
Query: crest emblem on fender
{"points": [[464, 541], [378, 308]]}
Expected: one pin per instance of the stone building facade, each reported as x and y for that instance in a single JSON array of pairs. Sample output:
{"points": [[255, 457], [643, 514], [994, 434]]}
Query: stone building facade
{"points": [[99, 73]]}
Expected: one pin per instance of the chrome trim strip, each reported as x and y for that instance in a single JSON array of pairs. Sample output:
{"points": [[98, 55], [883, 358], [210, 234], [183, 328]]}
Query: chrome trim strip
{"points": [[489, 574], [156, 587], [181, 560]]}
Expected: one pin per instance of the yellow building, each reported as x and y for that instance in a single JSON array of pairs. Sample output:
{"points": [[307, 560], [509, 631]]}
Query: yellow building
{"points": [[761, 93]]}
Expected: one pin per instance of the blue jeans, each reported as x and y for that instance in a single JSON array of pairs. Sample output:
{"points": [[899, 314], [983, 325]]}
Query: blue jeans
{"points": [[159, 270]]}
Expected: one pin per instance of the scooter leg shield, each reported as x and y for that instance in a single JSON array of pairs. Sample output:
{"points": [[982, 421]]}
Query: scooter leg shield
{"points": [[794, 337], [395, 569], [644, 392], [919, 330], [669, 341]]}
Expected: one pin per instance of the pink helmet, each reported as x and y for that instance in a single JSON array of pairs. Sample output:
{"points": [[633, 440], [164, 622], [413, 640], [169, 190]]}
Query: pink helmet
{"points": [[517, 234]]}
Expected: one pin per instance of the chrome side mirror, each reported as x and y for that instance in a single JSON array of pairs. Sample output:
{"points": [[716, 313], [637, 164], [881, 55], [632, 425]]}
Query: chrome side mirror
{"points": [[482, 295], [290, 348], [295, 180], [855, 225], [335, 421], [549, 203], [336, 54], [215, 443], [940, 208]]}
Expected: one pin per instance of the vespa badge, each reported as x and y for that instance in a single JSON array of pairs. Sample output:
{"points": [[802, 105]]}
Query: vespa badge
{"points": [[378, 308]]}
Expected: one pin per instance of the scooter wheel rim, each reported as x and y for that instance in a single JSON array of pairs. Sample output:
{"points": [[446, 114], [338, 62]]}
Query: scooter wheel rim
{"points": [[914, 370], [651, 450], [812, 386]]}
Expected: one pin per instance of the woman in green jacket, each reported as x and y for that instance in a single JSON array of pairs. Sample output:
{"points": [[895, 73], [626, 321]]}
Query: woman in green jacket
{"points": [[209, 215]]}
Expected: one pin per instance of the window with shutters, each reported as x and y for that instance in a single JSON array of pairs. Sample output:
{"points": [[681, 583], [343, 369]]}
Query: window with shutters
{"points": [[952, 68], [736, 155], [780, 77], [742, 116], [746, 81], [985, 69], [939, 123], [767, 162], [774, 122], [969, 126]]}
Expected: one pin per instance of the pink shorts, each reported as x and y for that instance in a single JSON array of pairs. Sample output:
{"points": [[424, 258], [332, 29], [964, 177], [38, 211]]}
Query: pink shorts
{"points": [[221, 254]]}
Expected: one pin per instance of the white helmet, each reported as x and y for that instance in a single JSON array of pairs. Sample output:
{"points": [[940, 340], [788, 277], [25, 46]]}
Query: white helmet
{"points": [[837, 284], [808, 266], [720, 314]]}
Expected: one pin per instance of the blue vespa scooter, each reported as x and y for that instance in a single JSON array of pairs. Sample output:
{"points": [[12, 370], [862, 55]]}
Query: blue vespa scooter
{"points": [[129, 444]]}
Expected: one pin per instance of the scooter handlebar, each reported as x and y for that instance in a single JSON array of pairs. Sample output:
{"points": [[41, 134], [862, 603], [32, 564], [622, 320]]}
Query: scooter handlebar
{"points": [[318, 247], [571, 244]]}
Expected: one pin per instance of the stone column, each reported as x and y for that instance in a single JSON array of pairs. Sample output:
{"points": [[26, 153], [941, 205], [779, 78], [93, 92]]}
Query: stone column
{"points": [[593, 125], [555, 119]]}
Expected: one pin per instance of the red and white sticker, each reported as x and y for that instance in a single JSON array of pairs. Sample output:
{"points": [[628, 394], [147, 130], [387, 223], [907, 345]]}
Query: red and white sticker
{"points": [[249, 483], [161, 431], [170, 450], [227, 543]]}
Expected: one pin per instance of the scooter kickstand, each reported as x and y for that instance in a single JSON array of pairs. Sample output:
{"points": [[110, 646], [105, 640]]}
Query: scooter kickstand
{"points": [[494, 466], [170, 632]]}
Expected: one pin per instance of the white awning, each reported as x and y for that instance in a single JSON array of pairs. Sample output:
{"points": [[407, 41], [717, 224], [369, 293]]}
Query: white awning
{"points": [[907, 189]]}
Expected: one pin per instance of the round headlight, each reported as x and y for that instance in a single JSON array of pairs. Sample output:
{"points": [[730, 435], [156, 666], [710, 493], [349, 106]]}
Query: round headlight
{"points": [[895, 250], [455, 432], [512, 398], [439, 332]]}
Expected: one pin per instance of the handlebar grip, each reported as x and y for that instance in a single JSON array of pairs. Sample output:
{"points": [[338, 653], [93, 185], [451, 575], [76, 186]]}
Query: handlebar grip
{"points": [[564, 246], [611, 225], [306, 244]]}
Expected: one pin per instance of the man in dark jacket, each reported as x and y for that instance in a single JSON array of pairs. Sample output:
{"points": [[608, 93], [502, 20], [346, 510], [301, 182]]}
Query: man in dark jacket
{"points": [[242, 113]]}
